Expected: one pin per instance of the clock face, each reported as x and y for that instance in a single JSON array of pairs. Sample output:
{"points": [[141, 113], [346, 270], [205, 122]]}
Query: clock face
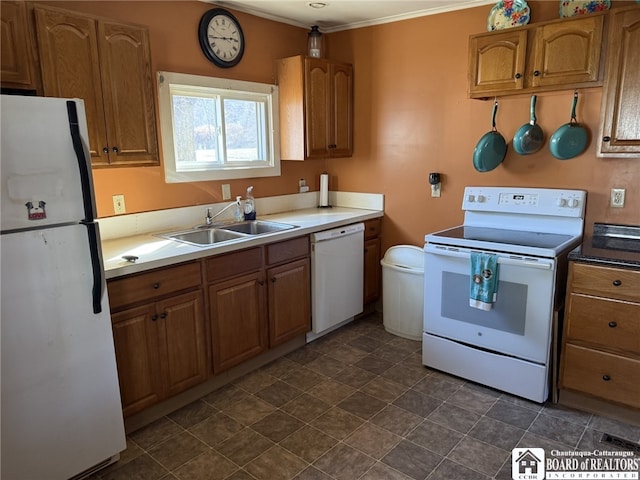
{"points": [[221, 38]]}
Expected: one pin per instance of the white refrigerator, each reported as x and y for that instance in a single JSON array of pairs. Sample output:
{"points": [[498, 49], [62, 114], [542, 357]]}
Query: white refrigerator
{"points": [[60, 402]]}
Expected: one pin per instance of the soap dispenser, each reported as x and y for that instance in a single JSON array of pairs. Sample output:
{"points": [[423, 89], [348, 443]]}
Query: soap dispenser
{"points": [[237, 213]]}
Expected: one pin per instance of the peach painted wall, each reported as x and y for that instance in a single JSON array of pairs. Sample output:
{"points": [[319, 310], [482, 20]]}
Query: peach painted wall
{"points": [[173, 28], [412, 117]]}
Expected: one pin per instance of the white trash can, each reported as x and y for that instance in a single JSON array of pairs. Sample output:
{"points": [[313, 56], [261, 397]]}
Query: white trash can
{"points": [[402, 291]]}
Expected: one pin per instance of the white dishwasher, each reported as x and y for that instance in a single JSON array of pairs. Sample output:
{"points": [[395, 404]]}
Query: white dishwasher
{"points": [[337, 260]]}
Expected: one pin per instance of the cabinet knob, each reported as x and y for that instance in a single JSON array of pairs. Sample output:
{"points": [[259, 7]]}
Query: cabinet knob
{"points": [[332, 146], [156, 286], [154, 317], [606, 378], [261, 282], [115, 150], [273, 279], [536, 73], [613, 324], [163, 315], [606, 139], [518, 75], [105, 150], [617, 283]]}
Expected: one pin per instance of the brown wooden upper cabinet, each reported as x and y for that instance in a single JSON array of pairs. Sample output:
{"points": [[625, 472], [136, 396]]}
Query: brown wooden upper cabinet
{"points": [[108, 65], [316, 108], [17, 69], [620, 122], [556, 55]]}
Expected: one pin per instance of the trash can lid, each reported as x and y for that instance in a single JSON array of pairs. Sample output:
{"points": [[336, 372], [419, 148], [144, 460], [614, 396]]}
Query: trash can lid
{"points": [[408, 256]]}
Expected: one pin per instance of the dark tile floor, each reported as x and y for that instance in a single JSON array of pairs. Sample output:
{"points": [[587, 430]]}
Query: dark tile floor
{"points": [[355, 404]]}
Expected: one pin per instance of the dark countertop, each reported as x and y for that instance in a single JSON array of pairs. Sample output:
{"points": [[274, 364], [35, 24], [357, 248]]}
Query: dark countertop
{"points": [[612, 245]]}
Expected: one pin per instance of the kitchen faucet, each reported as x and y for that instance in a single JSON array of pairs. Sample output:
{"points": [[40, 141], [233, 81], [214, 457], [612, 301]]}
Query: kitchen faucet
{"points": [[208, 219]]}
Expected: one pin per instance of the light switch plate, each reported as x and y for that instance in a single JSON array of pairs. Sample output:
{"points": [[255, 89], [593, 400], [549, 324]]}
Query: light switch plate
{"points": [[226, 191], [617, 197], [118, 205]]}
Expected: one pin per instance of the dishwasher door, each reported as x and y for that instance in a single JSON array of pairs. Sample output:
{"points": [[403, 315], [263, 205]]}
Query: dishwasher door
{"points": [[337, 261]]}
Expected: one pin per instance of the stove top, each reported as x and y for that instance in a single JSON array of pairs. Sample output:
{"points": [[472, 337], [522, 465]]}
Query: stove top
{"points": [[539, 222]]}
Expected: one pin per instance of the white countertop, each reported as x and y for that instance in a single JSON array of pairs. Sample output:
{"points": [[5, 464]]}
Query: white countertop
{"points": [[154, 252]]}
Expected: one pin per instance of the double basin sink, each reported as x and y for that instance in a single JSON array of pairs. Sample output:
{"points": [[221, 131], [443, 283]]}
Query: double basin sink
{"points": [[206, 235]]}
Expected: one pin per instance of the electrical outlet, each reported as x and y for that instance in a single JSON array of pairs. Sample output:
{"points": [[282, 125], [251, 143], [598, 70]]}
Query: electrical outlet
{"points": [[118, 205], [617, 197], [226, 191]]}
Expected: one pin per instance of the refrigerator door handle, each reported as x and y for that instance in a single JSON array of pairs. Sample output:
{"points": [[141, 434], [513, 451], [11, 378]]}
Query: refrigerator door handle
{"points": [[83, 163], [93, 231]]}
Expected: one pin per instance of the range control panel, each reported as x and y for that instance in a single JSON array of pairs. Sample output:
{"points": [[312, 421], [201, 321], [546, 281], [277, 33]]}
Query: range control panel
{"points": [[529, 201]]}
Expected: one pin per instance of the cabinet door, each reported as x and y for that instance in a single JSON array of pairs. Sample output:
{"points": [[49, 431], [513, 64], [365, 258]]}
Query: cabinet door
{"points": [[68, 48], [135, 334], [15, 42], [289, 301], [620, 122], [318, 107], [496, 62], [128, 94], [182, 340], [238, 326], [567, 52], [341, 140], [371, 270]]}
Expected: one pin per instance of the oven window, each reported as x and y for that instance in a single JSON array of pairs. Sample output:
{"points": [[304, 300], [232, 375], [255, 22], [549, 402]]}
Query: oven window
{"points": [[508, 312]]}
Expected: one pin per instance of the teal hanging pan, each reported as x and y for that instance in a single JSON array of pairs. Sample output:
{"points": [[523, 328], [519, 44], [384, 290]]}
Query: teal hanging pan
{"points": [[529, 137], [491, 148], [571, 139]]}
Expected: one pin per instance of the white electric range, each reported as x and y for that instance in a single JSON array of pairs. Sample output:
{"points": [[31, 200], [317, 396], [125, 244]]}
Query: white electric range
{"points": [[530, 231]]}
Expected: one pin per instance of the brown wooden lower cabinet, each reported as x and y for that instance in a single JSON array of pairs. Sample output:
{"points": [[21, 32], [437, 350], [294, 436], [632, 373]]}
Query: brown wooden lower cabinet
{"points": [[160, 350], [600, 356], [238, 327], [289, 301], [372, 255], [258, 298]]}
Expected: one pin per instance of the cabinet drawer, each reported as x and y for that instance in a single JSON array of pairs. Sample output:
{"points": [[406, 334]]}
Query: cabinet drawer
{"points": [[287, 250], [601, 374], [606, 281], [611, 323], [372, 228], [154, 284], [233, 264]]}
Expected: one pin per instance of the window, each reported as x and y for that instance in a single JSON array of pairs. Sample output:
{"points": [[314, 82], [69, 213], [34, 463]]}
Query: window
{"points": [[217, 129]]}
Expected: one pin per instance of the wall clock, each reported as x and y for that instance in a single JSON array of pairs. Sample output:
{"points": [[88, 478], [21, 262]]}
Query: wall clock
{"points": [[221, 38]]}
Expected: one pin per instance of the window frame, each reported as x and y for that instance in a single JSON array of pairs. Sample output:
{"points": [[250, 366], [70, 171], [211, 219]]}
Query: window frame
{"points": [[169, 82]]}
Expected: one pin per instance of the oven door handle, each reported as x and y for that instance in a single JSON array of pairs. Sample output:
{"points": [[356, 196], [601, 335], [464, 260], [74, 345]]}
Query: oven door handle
{"points": [[542, 264]]}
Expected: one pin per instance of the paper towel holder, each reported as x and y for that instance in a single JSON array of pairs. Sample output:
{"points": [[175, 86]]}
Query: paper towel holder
{"points": [[324, 191]]}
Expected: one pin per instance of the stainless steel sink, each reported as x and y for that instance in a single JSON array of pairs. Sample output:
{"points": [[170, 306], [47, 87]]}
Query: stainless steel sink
{"points": [[257, 227], [210, 235], [203, 236]]}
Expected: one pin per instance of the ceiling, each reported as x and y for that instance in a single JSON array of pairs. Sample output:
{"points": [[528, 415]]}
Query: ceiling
{"points": [[339, 15]]}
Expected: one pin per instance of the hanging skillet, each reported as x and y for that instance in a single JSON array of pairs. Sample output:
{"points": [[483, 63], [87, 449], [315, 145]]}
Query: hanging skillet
{"points": [[571, 139], [491, 148], [529, 137]]}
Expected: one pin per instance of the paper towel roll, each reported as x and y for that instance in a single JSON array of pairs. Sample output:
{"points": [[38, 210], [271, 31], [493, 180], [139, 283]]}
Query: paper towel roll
{"points": [[324, 190]]}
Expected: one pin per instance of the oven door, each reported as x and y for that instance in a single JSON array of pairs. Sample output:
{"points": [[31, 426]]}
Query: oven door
{"points": [[519, 323]]}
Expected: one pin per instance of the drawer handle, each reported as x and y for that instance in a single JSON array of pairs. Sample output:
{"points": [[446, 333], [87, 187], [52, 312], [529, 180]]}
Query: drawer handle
{"points": [[613, 324], [154, 317], [163, 315], [606, 378], [617, 283], [156, 286]]}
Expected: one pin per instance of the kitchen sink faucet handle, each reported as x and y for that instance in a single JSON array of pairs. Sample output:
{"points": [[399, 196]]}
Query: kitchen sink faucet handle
{"points": [[208, 218]]}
